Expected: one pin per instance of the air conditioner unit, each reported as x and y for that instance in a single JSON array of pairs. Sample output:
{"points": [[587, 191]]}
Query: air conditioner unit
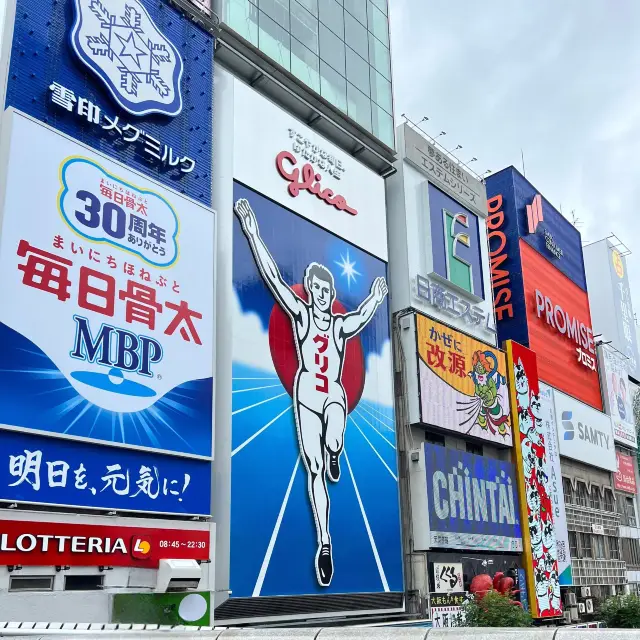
{"points": [[581, 608], [585, 592], [574, 614], [178, 575], [567, 616], [572, 600], [589, 604]]}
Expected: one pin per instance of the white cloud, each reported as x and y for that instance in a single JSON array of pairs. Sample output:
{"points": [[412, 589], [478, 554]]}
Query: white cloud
{"points": [[250, 340], [378, 386]]}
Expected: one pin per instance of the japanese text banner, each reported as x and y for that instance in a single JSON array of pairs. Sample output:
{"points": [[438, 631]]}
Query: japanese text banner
{"points": [[463, 384]]}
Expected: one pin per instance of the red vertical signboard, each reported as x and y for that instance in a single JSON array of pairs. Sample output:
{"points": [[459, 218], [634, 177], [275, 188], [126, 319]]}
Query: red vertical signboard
{"points": [[625, 477], [538, 530]]}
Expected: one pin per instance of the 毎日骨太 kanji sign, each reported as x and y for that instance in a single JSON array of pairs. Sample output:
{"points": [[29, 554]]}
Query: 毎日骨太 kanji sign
{"points": [[110, 333]]}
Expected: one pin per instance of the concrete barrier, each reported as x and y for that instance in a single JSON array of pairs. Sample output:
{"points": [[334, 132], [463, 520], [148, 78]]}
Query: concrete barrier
{"points": [[377, 633]]}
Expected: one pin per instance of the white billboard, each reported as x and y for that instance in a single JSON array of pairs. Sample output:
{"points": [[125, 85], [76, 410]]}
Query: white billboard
{"points": [[584, 434], [618, 401], [554, 483], [293, 165]]}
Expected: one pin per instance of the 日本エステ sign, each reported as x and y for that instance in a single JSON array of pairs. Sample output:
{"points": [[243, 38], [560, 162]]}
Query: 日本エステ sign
{"points": [[131, 78], [31, 543], [122, 270]]}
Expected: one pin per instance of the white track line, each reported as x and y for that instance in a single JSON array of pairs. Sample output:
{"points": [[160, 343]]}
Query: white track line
{"points": [[257, 433], [257, 404], [393, 475]]}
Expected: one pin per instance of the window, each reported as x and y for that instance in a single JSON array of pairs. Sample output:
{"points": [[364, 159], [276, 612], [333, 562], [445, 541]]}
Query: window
{"points": [[614, 547], [582, 496], [567, 488], [608, 502], [573, 544], [359, 106], [599, 548], [382, 125], [358, 75], [381, 91], [585, 550], [304, 27], [355, 36], [595, 497], [475, 449], [309, 5], [83, 583], [378, 24], [305, 65], [630, 512], [358, 9], [243, 18], [31, 583], [379, 57], [630, 551], [332, 15], [382, 5], [277, 10], [332, 49], [434, 438], [333, 86], [274, 40]]}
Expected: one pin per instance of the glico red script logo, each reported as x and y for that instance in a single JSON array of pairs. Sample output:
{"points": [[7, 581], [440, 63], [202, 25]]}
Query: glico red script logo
{"points": [[309, 180]]}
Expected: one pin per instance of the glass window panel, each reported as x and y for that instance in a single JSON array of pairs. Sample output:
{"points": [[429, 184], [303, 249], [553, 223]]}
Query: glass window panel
{"points": [[277, 10], [242, 16], [381, 91], [355, 36], [274, 41], [358, 9], [358, 71], [332, 49], [305, 65], [304, 27], [378, 24], [309, 5], [333, 87], [595, 497], [382, 125], [332, 15], [359, 107], [382, 5], [598, 548], [379, 57]]}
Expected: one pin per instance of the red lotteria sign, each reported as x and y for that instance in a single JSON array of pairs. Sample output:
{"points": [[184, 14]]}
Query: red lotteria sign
{"points": [[56, 543], [309, 180], [625, 477]]}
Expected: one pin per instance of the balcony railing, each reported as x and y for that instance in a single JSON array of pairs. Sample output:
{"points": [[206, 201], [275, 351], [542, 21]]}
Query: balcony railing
{"points": [[588, 572], [582, 518]]}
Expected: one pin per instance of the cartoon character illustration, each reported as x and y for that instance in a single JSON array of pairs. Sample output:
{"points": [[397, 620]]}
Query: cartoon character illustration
{"points": [[542, 587], [554, 592], [319, 397], [486, 409], [522, 385]]}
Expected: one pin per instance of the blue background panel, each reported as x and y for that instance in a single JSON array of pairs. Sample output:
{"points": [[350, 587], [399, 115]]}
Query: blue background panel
{"points": [[501, 184], [29, 463], [42, 54]]}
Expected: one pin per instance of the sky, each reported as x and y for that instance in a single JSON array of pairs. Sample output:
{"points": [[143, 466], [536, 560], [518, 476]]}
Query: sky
{"points": [[559, 80]]}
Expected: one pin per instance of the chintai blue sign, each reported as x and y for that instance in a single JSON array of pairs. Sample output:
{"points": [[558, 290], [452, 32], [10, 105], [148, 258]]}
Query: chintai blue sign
{"points": [[473, 501]]}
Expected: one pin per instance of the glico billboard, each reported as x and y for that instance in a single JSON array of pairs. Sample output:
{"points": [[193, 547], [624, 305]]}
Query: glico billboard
{"points": [[539, 285]]}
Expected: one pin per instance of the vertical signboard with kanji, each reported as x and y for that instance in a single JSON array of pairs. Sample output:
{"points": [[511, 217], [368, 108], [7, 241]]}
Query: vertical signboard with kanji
{"points": [[130, 78], [537, 512], [109, 334]]}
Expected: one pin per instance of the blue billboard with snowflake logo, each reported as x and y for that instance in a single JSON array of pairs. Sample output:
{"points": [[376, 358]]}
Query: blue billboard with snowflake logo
{"points": [[130, 78]]}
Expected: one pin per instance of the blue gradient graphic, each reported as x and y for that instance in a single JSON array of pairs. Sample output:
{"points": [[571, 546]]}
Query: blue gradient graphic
{"points": [[35, 394]]}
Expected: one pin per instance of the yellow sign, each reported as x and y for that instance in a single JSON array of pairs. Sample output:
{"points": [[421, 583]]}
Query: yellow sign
{"points": [[617, 263], [463, 383]]}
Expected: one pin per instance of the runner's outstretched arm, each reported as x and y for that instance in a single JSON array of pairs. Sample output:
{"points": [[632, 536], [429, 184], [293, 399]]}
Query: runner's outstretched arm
{"points": [[281, 291], [354, 323]]}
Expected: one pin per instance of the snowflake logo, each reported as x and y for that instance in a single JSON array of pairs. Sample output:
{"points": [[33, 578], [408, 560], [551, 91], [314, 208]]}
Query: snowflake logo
{"points": [[120, 43]]}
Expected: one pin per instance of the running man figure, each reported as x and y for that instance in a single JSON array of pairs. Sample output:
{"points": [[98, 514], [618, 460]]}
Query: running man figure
{"points": [[319, 398]]}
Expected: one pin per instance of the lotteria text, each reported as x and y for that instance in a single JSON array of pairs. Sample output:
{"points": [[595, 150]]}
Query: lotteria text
{"points": [[28, 542], [309, 180]]}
